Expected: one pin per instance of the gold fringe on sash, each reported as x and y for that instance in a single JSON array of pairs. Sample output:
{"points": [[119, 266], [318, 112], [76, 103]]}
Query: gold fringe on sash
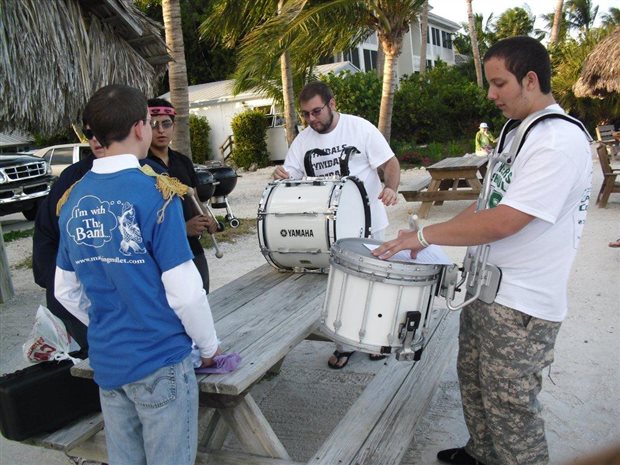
{"points": [[168, 186]]}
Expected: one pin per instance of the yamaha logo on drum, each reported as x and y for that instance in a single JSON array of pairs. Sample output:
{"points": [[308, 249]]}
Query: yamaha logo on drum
{"points": [[297, 232]]}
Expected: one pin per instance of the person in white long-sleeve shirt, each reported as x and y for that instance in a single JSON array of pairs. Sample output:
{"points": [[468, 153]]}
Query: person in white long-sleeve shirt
{"points": [[125, 269]]}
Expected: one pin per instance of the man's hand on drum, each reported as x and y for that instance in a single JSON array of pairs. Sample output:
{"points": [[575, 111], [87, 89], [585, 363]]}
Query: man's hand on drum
{"points": [[388, 196], [280, 173], [197, 225], [406, 240]]}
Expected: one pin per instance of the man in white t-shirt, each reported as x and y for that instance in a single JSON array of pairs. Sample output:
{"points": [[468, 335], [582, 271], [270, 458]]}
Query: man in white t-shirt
{"points": [[532, 219], [337, 144]]}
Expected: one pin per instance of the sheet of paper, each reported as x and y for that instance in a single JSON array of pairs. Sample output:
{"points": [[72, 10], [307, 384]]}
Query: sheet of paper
{"points": [[431, 255]]}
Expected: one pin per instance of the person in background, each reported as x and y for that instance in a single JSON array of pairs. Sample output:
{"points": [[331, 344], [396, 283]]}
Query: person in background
{"points": [[533, 219], [125, 269], [337, 144], [47, 236], [484, 140], [181, 167]]}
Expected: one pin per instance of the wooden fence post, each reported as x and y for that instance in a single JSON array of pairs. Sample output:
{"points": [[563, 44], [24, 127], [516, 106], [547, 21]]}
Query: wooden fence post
{"points": [[6, 286]]}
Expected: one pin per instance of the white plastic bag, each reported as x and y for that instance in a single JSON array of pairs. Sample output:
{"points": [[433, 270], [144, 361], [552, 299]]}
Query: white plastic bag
{"points": [[49, 339]]}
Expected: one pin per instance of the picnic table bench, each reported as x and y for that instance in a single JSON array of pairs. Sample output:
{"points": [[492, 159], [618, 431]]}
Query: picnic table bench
{"points": [[453, 178], [263, 315]]}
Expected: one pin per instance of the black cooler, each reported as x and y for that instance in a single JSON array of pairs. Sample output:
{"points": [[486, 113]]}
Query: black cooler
{"points": [[43, 398]]}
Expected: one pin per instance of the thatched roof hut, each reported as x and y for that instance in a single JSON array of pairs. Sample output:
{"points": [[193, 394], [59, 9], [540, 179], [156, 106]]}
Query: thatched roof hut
{"points": [[55, 53], [600, 75]]}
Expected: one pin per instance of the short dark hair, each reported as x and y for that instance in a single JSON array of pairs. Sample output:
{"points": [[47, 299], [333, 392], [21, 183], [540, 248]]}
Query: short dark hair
{"points": [[315, 88], [523, 54], [160, 102], [113, 110]]}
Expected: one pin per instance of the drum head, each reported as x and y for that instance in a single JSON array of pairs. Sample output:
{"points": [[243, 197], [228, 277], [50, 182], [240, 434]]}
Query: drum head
{"points": [[351, 218], [353, 255]]}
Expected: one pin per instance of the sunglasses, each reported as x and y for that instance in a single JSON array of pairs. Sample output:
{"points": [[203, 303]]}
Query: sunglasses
{"points": [[161, 124], [88, 133]]}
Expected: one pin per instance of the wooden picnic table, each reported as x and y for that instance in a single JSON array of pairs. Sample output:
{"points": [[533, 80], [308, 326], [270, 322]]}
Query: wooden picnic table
{"points": [[262, 316], [453, 178]]}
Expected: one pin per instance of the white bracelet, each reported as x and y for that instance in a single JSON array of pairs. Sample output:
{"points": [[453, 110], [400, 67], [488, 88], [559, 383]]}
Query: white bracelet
{"points": [[421, 239]]}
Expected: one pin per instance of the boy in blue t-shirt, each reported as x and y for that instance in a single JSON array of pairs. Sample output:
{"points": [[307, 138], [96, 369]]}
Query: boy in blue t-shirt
{"points": [[125, 269]]}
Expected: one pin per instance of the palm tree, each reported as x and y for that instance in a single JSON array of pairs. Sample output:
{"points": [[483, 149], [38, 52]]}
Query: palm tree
{"points": [[557, 18], [484, 35], [258, 68], [514, 22], [612, 18], [474, 42], [581, 14], [424, 31], [288, 94], [177, 75]]}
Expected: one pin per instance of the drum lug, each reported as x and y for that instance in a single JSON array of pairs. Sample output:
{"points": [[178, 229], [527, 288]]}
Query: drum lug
{"points": [[407, 335]]}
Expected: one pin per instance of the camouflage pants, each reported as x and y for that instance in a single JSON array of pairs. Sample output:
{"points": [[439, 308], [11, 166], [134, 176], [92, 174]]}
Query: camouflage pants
{"points": [[502, 353]]}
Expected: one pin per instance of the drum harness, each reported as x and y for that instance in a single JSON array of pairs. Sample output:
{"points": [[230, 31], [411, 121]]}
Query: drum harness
{"points": [[483, 279]]}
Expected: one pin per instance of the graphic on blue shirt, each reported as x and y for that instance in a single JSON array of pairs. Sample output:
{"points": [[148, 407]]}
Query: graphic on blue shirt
{"points": [[132, 237], [93, 221]]}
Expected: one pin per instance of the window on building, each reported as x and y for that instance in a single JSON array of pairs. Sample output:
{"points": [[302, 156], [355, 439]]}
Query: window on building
{"points": [[428, 35], [370, 59], [446, 39], [353, 56], [435, 33], [429, 64]]}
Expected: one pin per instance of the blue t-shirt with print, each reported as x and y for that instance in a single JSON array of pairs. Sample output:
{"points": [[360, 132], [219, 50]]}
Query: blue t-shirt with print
{"points": [[111, 238]]}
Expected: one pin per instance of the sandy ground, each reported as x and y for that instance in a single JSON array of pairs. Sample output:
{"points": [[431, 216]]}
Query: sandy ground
{"points": [[581, 394]]}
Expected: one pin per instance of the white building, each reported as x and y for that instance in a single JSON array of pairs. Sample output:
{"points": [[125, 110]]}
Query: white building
{"points": [[439, 47]]}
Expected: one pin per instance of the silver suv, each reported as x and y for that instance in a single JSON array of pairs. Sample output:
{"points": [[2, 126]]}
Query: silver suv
{"points": [[25, 181], [61, 156]]}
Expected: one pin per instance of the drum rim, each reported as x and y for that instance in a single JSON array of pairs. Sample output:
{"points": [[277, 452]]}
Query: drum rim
{"points": [[380, 270]]}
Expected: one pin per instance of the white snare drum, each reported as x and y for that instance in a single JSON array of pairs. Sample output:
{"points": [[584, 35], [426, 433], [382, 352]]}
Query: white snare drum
{"points": [[298, 221], [377, 305]]}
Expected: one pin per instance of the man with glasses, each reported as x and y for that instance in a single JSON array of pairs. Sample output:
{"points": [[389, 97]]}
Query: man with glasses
{"points": [[181, 167], [337, 144], [142, 299]]}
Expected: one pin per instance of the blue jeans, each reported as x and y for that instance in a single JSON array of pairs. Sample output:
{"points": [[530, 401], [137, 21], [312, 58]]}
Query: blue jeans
{"points": [[154, 420]]}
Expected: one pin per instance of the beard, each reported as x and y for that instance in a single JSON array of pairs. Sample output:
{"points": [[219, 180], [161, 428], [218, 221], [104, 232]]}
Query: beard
{"points": [[321, 127]]}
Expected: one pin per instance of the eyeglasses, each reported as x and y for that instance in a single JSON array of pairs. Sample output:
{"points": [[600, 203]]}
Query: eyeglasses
{"points": [[88, 133], [161, 124], [316, 112]]}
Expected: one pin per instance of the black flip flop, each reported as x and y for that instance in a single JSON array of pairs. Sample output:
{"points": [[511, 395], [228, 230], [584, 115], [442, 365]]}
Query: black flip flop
{"points": [[340, 355], [375, 357]]}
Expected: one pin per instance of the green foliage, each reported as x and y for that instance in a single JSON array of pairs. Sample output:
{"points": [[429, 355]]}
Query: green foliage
{"points": [[206, 62], [514, 22], [410, 155], [65, 137], [439, 106], [249, 132], [199, 130], [17, 234], [357, 94], [247, 226]]}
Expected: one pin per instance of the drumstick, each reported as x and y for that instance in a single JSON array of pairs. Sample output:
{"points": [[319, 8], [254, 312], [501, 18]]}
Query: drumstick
{"points": [[205, 211]]}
